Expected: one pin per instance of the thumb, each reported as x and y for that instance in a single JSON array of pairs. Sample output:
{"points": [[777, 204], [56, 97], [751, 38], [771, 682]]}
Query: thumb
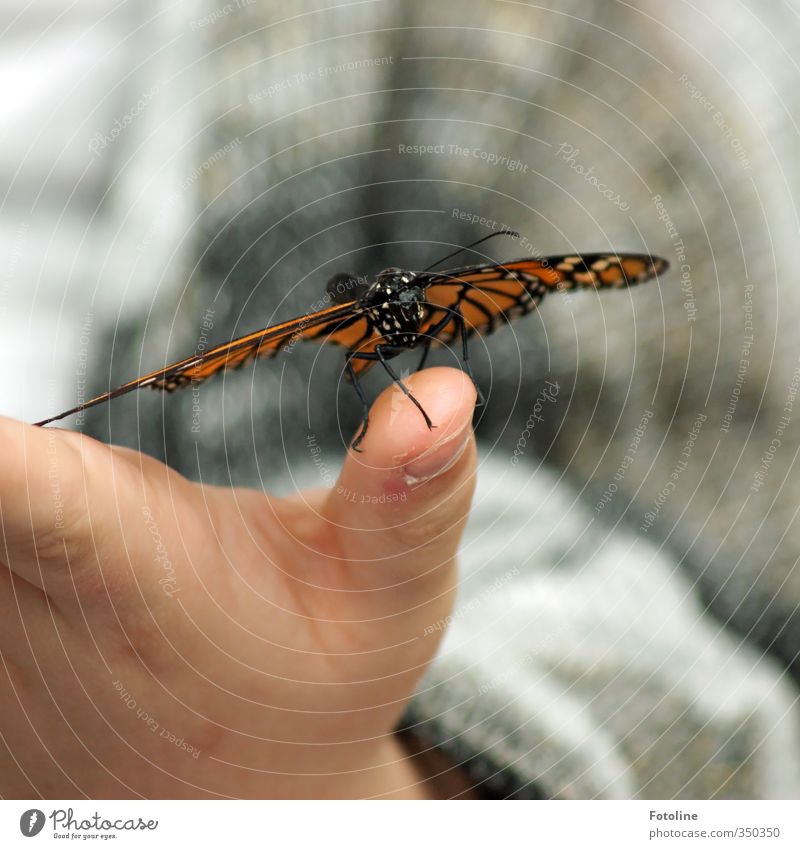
{"points": [[399, 508]]}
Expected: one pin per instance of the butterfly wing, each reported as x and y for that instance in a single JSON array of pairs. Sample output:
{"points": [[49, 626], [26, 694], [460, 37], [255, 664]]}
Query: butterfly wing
{"points": [[333, 323], [358, 335], [485, 295], [488, 296]]}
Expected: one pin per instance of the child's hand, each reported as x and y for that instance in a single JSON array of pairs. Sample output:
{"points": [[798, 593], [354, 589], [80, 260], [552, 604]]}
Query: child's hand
{"points": [[162, 639]]}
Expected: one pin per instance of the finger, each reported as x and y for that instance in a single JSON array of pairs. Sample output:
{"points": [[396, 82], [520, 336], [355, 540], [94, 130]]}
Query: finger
{"points": [[40, 492], [399, 507], [71, 510]]}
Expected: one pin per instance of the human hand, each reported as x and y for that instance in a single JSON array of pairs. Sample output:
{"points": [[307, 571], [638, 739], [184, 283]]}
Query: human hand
{"points": [[164, 639]]}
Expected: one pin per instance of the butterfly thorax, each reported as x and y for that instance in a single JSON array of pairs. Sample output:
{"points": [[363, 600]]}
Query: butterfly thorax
{"points": [[395, 306]]}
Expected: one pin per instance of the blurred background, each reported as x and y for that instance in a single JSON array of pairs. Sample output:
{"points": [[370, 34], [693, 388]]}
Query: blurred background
{"points": [[174, 175]]}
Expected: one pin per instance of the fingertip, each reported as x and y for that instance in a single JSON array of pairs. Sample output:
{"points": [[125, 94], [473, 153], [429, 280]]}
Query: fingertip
{"points": [[42, 481], [398, 433], [406, 497]]}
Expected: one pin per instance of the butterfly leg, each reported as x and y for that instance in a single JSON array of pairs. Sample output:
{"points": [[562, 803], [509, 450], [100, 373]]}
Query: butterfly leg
{"points": [[381, 351], [364, 404], [426, 349], [462, 330], [380, 355], [455, 316], [430, 335]]}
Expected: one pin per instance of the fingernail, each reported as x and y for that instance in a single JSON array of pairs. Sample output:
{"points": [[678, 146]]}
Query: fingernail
{"points": [[437, 459]]}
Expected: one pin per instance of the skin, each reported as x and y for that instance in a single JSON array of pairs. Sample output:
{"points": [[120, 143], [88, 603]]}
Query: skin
{"points": [[164, 639]]}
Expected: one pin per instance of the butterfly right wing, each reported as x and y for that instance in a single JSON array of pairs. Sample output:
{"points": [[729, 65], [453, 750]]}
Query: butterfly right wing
{"points": [[488, 296], [333, 323]]}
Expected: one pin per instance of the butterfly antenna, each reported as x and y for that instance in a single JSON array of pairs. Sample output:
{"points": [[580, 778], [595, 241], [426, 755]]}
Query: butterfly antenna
{"points": [[473, 245]]}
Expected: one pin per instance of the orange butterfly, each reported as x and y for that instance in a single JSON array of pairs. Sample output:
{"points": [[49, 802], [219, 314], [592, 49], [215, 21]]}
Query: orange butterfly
{"points": [[402, 310]]}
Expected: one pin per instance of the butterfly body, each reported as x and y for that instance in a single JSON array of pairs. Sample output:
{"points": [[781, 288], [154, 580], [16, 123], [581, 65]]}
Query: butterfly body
{"points": [[395, 305], [401, 310]]}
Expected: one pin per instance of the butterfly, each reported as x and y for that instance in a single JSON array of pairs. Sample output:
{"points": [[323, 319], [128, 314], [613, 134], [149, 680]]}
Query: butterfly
{"points": [[375, 320]]}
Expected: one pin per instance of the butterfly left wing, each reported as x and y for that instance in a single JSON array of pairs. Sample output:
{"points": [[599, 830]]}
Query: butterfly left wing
{"points": [[488, 296], [358, 335], [325, 324]]}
